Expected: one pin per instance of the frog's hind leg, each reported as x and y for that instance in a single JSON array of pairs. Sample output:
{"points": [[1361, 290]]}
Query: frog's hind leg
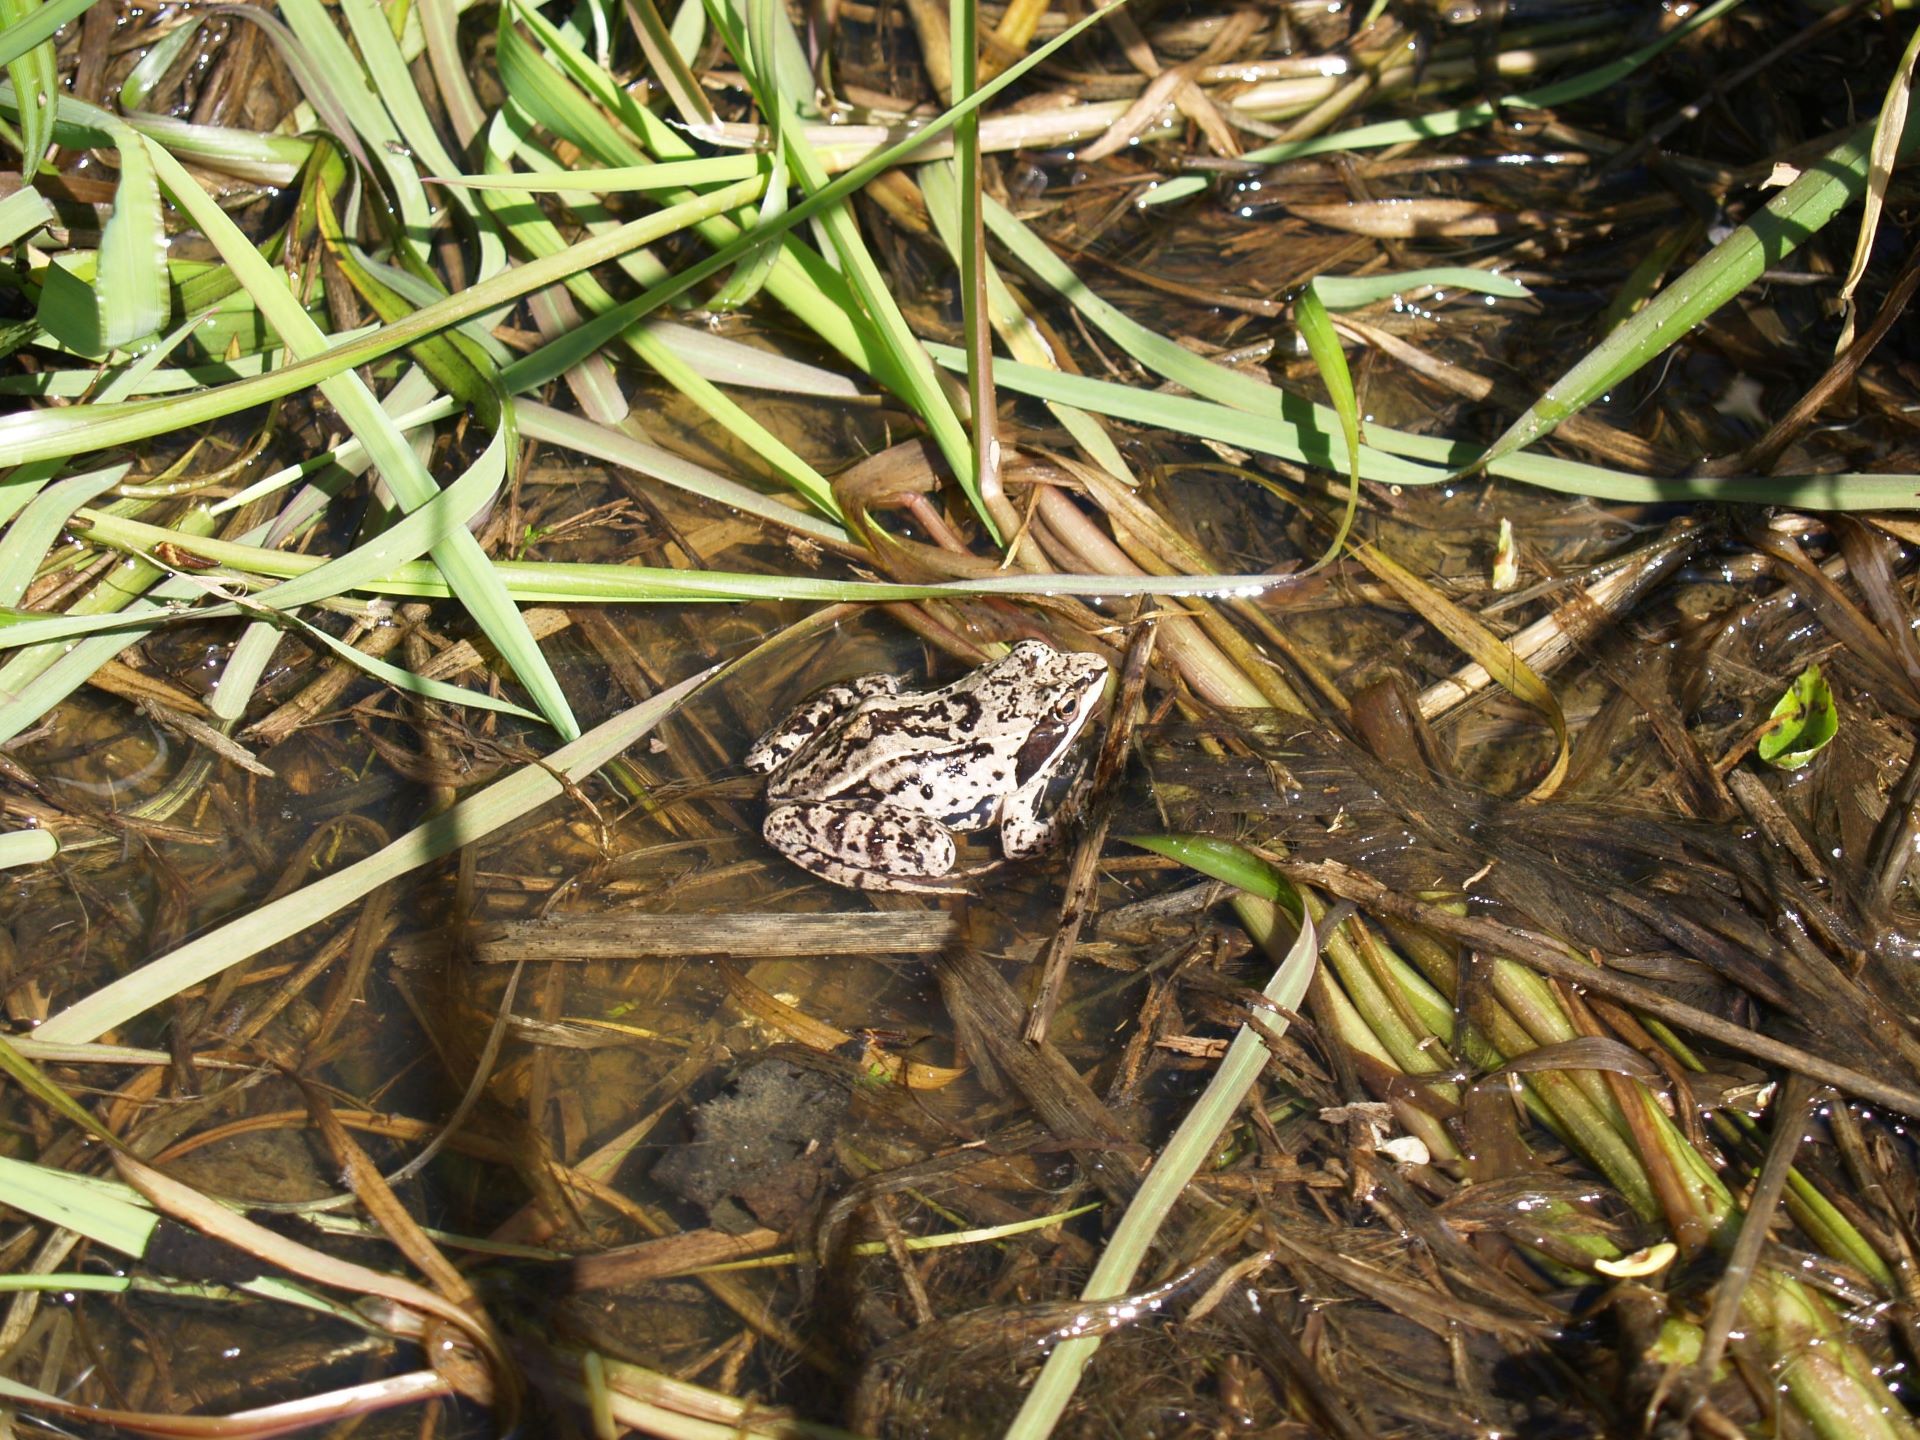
{"points": [[811, 716], [829, 869], [864, 847]]}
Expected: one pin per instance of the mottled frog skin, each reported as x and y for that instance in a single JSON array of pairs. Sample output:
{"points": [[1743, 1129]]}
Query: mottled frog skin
{"points": [[867, 786]]}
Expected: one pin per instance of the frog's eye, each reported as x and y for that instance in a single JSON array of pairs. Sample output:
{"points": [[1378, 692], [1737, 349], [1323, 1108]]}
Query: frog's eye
{"points": [[1066, 707]]}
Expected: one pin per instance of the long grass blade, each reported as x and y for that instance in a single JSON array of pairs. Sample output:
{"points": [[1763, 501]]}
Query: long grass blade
{"points": [[97, 1209], [1888, 131], [551, 361], [1798, 212], [1176, 1165], [1299, 438], [21, 213], [458, 555], [1323, 344], [131, 289]]}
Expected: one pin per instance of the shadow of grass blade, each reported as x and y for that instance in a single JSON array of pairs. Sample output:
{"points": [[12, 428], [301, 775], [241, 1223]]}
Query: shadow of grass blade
{"points": [[471, 820]]}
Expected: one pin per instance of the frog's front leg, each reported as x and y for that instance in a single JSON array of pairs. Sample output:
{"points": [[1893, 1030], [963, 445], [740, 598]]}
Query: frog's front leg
{"points": [[863, 845], [1029, 825]]}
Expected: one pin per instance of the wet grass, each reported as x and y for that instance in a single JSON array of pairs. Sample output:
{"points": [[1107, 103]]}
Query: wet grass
{"points": [[443, 438]]}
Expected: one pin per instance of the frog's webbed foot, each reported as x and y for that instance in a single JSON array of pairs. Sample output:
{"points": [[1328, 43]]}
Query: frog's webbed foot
{"points": [[865, 847]]}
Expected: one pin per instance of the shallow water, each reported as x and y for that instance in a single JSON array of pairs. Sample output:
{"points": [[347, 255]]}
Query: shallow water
{"points": [[686, 1051]]}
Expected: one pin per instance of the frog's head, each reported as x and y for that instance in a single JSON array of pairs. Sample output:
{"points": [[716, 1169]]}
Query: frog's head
{"points": [[1056, 693]]}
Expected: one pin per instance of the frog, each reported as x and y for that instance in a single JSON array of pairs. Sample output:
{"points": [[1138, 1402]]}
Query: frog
{"points": [[868, 785]]}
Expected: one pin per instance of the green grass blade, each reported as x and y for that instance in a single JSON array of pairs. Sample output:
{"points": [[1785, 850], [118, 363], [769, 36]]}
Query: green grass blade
{"points": [[152, 66], [21, 213], [459, 555], [403, 679], [1323, 344], [44, 434], [1297, 437], [666, 62], [750, 277], [394, 84], [554, 359], [37, 26], [35, 680], [426, 527], [617, 179], [131, 287], [244, 154], [29, 1076], [582, 436], [338, 69], [1351, 292], [96, 1209], [36, 80], [913, 369], [32, 534], [1790, 218], [1022, 338], [584, 583]]}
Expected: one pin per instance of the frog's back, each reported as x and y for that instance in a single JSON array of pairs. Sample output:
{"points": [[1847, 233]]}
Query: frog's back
{"points": [[920, 753]]}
